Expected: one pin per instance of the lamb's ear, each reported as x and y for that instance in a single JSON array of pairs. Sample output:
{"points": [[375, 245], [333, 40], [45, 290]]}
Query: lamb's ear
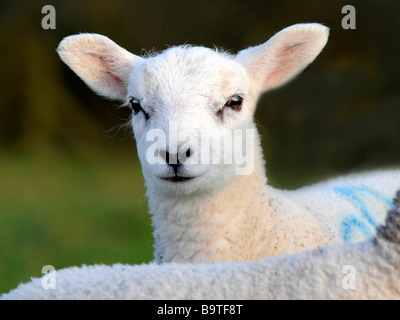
{"points": [[285, 55], [101, 63]]}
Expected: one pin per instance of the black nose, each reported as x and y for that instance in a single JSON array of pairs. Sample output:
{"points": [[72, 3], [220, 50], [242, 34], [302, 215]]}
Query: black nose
{"points": [[175, 160]]}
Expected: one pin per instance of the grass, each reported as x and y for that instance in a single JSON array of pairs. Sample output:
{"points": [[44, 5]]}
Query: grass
{"points": [[62, 210]]}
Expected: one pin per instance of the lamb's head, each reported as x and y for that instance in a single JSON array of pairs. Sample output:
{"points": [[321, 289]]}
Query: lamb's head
{"points": [[192, 107]]}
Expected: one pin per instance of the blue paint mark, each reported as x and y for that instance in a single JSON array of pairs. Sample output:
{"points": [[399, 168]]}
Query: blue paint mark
{"points": [[367, 223], [350, 223]]}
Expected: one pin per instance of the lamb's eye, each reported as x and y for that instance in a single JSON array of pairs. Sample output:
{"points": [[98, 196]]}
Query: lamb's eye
{"points": [[235, 103], [136, 107]]}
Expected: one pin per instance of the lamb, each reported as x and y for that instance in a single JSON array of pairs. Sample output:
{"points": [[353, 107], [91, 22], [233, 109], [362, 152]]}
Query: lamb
{"points": [[364, 270], [209, 201]]}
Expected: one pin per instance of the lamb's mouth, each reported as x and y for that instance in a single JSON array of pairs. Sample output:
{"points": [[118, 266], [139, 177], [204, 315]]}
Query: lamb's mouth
{"points": [[177, 178]]}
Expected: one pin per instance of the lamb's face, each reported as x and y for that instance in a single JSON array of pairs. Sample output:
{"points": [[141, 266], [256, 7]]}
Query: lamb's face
{"points": [[187, 97], [187, 102]]}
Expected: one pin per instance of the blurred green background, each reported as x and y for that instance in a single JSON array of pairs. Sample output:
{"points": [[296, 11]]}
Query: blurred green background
{"points": [[71, 189]]}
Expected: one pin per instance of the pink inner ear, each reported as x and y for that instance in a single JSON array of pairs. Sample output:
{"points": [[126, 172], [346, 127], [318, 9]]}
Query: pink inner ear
{"points": [[114, 79], [284, 64], [105, 74]]}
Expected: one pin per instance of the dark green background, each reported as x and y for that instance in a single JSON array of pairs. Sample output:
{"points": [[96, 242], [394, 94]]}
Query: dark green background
{"points": [[71, 191]]}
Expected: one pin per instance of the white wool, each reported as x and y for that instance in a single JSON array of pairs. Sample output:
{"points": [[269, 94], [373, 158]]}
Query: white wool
{"points": [[365, 270], [219, 215]]}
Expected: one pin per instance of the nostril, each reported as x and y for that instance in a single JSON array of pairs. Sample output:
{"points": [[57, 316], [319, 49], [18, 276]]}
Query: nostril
{"points": [[171, 160], [163, 154], [184, 155], [175, 159], [166, 156]]}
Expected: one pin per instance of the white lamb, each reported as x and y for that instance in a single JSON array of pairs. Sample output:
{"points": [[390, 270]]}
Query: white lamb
{"points": [[365, 270], [220, 210]]}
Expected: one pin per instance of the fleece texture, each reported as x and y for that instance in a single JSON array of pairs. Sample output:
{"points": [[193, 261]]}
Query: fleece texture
{"points": [[365, 270], [263, 221]]}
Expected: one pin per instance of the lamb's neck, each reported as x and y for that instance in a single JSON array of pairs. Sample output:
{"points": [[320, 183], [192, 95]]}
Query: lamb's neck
{"points": [[228, 226]]}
